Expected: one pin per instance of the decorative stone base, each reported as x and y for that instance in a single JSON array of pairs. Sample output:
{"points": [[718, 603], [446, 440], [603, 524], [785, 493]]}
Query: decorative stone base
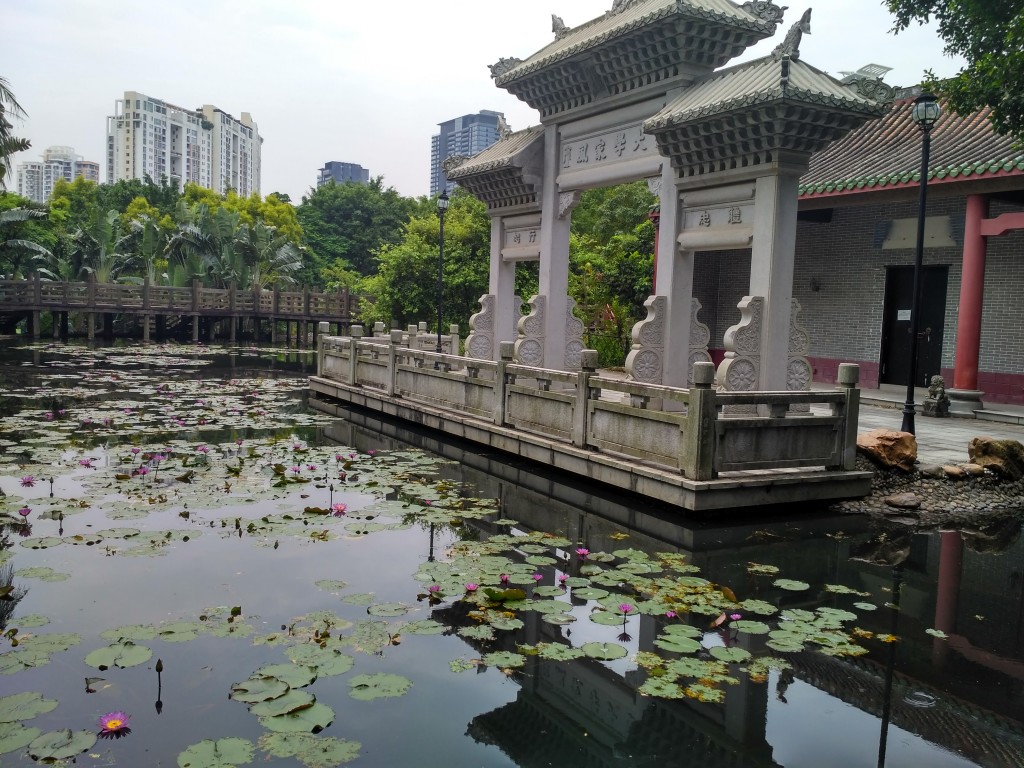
{"points": [[964, 402]]}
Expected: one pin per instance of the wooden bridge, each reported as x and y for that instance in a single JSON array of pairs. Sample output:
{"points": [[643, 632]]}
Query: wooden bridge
{"points": [[219, 310]]}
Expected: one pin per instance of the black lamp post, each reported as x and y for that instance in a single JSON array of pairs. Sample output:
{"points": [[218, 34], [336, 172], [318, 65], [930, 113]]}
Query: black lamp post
{"points": [[925, 113], [442, 207]]}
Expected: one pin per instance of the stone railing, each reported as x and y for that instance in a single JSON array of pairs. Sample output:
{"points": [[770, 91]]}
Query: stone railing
{"points": [[685, 430]]}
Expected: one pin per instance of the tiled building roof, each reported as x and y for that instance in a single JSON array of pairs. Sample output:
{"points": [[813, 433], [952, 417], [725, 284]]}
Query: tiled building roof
{"points": [[886, 154]]}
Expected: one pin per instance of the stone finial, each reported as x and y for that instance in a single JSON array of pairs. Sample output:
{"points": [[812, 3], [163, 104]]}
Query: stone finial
{"points": [[503, 65], [452, 162], [789, 48], [558, 27], [504, 131], [618, 6]]}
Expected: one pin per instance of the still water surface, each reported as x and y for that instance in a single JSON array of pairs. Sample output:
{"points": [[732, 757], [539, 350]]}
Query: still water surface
{"points": [[228, 555]]}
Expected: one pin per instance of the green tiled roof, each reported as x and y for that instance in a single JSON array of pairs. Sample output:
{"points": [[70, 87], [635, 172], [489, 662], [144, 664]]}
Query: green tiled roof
{"points": [[887, 153]]}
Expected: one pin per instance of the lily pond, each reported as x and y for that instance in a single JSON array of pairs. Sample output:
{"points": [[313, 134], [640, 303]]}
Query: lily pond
{"points": [[198, 570]]}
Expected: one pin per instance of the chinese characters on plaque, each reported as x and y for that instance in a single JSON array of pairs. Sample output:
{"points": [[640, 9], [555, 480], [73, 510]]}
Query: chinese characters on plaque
{"points": [[621, 144], [518, 238], [712, 217]]}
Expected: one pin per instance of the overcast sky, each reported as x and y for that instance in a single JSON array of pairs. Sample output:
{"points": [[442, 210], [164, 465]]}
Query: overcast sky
{"points": [[341, 80]]}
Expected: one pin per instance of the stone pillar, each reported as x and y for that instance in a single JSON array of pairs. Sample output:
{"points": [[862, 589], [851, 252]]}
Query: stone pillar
{"points": [[964, 396], [771, 270], [947, 592], [502, 285], [554, 252], [675, 280]]}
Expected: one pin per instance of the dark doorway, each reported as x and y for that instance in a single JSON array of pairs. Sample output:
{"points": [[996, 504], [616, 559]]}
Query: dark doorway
{"points": [[899, 289]]}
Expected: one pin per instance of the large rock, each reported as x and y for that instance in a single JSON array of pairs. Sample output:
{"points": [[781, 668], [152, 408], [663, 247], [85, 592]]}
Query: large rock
{"points": [[888, 448], [1004, 457]]}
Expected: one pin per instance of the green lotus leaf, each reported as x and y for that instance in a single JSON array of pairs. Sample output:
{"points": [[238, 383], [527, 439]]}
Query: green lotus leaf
{"points": [[661, 689], [632, 555], [326, 661], [223, 753], [678, 644], [865, 606], [590, 593], [424, 627], [591, 570], [760, 607], [533, 549], [604, 651], [332, 585], [311, 751], [606, 618], [599, 557], [762, 665], [24, 706], [541, 560], [388, 609], [377, 686], [33, 621], [15, 736], [18, 661], [462, 665], [118, 533], [43, 574], [311, 719], [798, 614], [559, 652], [683, 630], [43, 542], [836, 614], [749, 627], [729, 655], [705, 694], [548, 591], [785, 645], [479, 632], [131, 632], [701, 669], [577, 581], [60, 745], [762, 570], [362, 598], [180, 631], [257, 689], [504, 659], [369, 636], [122, 655], [791, 585], [291, 701], [840, 589], [692, 581], [295, 675], [558, 619]]}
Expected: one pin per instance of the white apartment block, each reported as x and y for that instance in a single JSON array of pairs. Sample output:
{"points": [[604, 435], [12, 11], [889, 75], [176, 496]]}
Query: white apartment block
{"points": [[205, 146], [36, 179]]}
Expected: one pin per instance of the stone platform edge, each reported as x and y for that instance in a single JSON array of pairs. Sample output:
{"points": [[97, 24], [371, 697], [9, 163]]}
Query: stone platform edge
{"points": [[731, 490]]}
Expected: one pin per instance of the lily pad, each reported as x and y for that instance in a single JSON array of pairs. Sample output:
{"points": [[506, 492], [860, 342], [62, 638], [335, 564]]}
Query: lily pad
{"points": [[424, 627], [332, 585], [388, 609], [290, 702], [295, 675], [504, 659], [559, 652], [257, 689], [326, 661], [223, 753], [122, 655], [750, 627], [678, 644], [558, 619], [607, 618], [604, 651], [730, 655], [311, 751], [43, 574], [15, 736], [590, 593], [480, 632], [377, 686], [661, 689], [60, 745], [311, 719], [24, 706], [791, 585]]}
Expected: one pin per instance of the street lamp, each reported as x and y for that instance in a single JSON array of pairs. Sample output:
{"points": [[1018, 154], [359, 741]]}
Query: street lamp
{"points": [[925, 113], [442, 207]]}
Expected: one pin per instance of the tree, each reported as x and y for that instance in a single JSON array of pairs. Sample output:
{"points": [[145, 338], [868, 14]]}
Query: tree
{"points": [[20, 250], [348, 223], [989, 34], [9, 143]]}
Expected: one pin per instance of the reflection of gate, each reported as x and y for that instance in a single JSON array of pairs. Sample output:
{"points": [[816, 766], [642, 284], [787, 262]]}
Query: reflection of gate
{"points": [[899, 290]]}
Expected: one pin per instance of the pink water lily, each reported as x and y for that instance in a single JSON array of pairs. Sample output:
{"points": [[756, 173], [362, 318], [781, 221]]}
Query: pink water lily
{"points": [[583, 552], [25, 511], [338, 509], [503, 578], [538, 577], [28, 481], [471, 587], [114, 722], [434, 588], [626, 608]]}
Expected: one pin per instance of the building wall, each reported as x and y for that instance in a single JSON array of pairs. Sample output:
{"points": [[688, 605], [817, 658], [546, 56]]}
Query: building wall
{"points": [[36, 180], [467, 135], [340, 172], [839, 280], [205, 146]]}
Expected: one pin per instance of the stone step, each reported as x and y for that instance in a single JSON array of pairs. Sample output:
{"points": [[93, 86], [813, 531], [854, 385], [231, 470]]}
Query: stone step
{"points": [[1003, 417]]}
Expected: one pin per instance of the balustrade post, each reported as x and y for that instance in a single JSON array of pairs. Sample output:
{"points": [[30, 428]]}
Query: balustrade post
{"points": [[581, 410], [849, 376], [395, 342], [699, 430], [321, 343], [145, 293], [507, 350], [353, 354]]}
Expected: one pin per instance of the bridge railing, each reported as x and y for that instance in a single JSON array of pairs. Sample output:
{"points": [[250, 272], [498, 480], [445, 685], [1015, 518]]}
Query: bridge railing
{"points": [[697, 431], [36, 294]]}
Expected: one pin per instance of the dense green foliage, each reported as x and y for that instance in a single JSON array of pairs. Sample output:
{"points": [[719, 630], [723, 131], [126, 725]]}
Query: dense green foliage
{"points": [[9, 143], [989, 34]]}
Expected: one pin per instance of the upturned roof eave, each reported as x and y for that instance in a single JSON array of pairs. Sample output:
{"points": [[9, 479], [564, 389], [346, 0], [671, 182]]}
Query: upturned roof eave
{"points": [[859, 186]]}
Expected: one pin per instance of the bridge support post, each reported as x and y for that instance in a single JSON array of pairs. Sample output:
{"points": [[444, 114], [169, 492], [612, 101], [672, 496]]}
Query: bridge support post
{"points": [[90, 326], [55, 319], [145, 329], [195, 329]]}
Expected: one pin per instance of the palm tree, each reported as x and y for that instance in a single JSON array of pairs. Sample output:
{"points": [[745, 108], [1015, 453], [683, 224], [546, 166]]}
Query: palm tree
{"points": [[101, 246], [9, 144], [269, 257], [148, 244], [203, 247], [18, 256]]}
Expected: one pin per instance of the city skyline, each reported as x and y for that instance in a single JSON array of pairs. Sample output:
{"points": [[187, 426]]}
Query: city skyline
{"points": [[323, 81]]}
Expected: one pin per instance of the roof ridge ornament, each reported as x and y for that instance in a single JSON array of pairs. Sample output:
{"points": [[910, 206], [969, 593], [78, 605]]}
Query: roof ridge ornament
{"points": [[558, 27], [618, 6], [765, 10], [503, 66], [867, 81], [790, 46], [452, 162], [504, 131]]}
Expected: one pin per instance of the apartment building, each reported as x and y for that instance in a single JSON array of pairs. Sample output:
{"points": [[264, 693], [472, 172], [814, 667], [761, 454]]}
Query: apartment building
{"points": [[466, 135], [205, 146], [339, 173], [36, 178]]}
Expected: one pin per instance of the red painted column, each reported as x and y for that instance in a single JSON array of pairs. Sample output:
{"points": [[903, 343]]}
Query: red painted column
{"points": [[947, 591], [972, 292]]}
